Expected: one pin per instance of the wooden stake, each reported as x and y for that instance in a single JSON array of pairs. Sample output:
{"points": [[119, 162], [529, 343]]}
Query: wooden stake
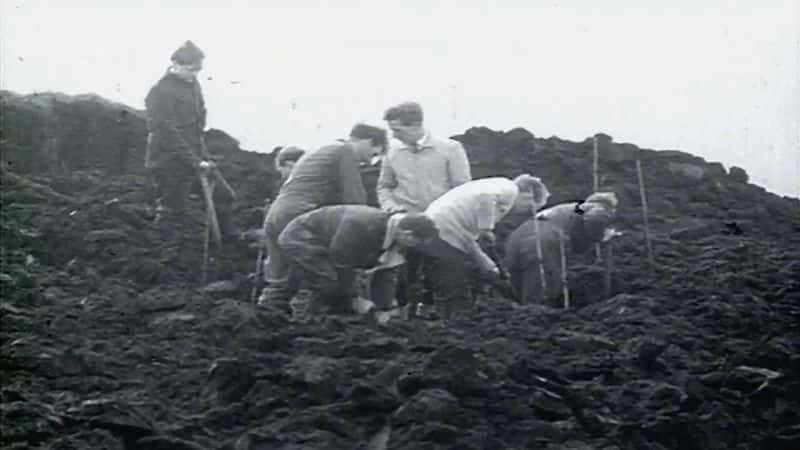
{"points": [[565, 287], [645, 214], [596, 167], [206, 239], [609, 268], [596, 185], [540, 258]]}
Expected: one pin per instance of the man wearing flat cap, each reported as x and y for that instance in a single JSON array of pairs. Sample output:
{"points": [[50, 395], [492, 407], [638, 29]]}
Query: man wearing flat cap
{"points": [[176, 150]]}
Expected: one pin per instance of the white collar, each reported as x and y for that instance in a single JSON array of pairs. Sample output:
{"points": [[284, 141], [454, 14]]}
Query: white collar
{"points": [[421, 142]]}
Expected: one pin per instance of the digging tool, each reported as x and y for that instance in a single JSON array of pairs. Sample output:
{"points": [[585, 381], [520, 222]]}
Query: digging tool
{"points": [[498, 283], [258, 282], [211, 210], [223, 182], [563, 249], [211, 223]]}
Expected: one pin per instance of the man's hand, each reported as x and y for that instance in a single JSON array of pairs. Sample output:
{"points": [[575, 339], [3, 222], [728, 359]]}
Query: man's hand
{"points": [[487, 237], [206, 166]]}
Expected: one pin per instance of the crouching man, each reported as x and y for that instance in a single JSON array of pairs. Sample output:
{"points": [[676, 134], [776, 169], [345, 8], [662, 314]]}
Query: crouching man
{"points": [[326, 246], [579, 224], [464, 215]]}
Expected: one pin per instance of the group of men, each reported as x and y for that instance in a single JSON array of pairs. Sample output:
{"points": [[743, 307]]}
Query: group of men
{"points": [[319, 232]]}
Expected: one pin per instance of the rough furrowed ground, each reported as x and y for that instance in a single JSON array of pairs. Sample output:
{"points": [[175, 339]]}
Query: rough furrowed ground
{"points": [[699, 352]]}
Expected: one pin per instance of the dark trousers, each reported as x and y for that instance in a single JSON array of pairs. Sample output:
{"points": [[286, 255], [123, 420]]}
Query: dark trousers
{"points": [[173, 184], [448, 271], [306, 264], [334, 294], [413, 278]]}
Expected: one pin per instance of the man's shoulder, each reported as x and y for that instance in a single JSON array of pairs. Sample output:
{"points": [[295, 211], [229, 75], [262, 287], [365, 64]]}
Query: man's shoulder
{"points": [[165, 85], [443, 142], [335, 147], [327, 154]]}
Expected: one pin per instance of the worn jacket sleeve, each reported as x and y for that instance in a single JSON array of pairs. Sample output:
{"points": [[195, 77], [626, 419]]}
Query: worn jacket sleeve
{"points": [[482, 260], [350, 184], [162, 117], [485, 210], [203, 116], [387, 181], [458, 166]]}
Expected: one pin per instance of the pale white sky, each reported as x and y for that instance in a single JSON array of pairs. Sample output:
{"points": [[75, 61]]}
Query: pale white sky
{"points": [[716, 78]]}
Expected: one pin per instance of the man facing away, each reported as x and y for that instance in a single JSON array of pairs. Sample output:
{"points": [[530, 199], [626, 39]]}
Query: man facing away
{"points": [[328, 176], [176, 150], [579, 225], [414, 174]]}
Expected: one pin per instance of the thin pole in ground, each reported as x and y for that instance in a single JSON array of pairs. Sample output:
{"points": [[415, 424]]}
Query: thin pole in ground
{"points": [[539, 256], [609, 269], [206, 239], [564, 285], [645, 214], [596, 185]]}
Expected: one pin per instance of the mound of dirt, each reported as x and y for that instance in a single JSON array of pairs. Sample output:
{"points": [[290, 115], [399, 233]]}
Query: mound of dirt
{"points": [[700, 352]]}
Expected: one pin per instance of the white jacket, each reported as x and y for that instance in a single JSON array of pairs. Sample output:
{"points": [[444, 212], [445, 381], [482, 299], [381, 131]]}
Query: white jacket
{"points": [[466, 210]]}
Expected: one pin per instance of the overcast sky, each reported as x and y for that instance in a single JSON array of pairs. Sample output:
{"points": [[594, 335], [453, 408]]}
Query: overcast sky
{"points": [[716, 78]]}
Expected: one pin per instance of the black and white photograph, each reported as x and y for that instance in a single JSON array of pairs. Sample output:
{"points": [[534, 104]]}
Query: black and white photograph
{"points": [[399, 225]]}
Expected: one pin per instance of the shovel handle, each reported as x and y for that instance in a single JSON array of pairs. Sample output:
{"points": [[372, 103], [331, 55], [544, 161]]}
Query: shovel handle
{"points": [[211, 210]]}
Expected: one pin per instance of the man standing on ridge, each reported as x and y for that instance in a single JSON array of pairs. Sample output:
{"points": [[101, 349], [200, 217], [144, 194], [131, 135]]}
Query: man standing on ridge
{"points": [[414, 174], [176, 150]]}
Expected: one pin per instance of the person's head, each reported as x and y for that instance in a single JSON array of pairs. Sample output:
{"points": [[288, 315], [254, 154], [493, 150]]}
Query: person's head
{"points": [[405, 121], [602, 203], [415, 230], [367, 141], [187, 61], [286, 158], [532, 195]]}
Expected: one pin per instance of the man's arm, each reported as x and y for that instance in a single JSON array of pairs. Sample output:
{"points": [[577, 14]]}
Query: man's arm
{"points": [[458, 166], [350, 184], [387, 182], [161, 115], [482, 260], [485, 210]]}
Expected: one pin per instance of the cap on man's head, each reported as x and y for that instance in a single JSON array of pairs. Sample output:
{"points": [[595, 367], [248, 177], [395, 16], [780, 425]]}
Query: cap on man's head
{"points": [[607, 199], [187, 53], [529, 183], [419, 224]]}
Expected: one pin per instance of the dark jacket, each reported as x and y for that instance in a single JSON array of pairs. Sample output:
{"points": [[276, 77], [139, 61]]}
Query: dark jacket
{"points": [[328, 176], [176, 117], [581, 230], [346, 236]]}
